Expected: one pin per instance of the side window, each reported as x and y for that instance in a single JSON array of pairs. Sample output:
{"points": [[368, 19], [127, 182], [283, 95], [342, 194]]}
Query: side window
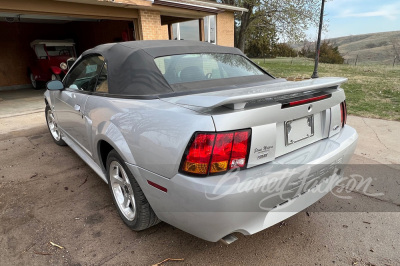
{"points": [[102, 84], [85, 73]]}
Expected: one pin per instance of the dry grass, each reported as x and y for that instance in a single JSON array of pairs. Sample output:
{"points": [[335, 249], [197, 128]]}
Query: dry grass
{"points": [[372, 48], [372, 91]]}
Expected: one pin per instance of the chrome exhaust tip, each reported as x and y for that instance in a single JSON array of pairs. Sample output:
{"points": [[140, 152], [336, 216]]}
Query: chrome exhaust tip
{"points": [[228, 239]]}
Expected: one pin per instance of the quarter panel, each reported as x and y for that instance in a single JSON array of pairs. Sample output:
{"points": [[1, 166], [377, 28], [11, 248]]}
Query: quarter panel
{"points": [[109, 132], [149, 133]]}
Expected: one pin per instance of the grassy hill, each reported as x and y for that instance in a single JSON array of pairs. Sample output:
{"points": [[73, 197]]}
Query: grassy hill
{"points": [[373, 48], [371, 91]]}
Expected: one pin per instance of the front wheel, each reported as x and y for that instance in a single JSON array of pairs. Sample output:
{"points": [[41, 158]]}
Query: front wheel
{"points": [[37, 85], [53, 128], [127, 195], [55, 77]]}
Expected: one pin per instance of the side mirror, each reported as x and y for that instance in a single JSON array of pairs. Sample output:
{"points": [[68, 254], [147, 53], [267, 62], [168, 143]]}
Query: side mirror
{"points": [[55, 85]]}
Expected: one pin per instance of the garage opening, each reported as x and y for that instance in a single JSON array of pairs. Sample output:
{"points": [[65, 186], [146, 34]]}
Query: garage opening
{"points": [[20, 31]]}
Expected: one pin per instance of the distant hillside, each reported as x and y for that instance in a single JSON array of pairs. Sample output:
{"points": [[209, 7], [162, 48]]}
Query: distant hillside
{"points": [[373, 48]]}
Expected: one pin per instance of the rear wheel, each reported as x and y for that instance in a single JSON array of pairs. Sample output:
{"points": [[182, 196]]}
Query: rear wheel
{"points": [[53, 128], [129, 198]]}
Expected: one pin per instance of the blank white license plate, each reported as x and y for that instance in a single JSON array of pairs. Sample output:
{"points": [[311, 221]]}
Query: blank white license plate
{"points": [[299, 129]]}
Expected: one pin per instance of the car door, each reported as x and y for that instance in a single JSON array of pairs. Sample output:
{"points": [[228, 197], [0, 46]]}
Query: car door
{"points": [[70, 103]]}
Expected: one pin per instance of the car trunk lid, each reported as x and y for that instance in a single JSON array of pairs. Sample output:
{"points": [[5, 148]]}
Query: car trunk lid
{"points": [[237, 98], [283, 116]]}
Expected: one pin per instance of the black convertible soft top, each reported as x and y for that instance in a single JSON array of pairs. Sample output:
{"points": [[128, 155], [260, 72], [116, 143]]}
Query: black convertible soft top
{"points": [[132, 70]]}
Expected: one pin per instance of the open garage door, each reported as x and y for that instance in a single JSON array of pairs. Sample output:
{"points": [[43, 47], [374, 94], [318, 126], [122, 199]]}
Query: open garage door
{"points": [[18, 31]]}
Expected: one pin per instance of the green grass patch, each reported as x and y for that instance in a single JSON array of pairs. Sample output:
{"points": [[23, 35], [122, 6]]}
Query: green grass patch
{"points": [[372, 91]]}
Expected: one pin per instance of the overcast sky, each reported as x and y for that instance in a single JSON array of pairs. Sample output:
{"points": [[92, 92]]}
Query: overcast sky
{"points": [[353, 17]]}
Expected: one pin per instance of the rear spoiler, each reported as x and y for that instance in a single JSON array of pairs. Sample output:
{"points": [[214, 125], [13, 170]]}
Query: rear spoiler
{"points": [[237, 98]]}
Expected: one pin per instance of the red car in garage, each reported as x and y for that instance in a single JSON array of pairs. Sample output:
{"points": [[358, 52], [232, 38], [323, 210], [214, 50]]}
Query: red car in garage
{"points": [[52, 58]]}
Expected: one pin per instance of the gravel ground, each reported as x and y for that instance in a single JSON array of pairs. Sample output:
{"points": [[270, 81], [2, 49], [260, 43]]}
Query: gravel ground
{"points": [[48, 194]]}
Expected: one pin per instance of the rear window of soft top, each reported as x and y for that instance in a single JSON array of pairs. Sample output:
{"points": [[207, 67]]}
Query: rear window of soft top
{"points": [[206, 66]]}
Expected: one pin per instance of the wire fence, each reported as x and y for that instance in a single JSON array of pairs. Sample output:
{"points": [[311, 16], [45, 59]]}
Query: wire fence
{"points": [[354, 60], [365, 60], [388, 57]]}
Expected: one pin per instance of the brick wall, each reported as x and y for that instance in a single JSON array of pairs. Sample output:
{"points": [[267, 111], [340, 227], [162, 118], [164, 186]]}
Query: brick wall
{"points": [[150, 26], [164, 32], [225, 29]]}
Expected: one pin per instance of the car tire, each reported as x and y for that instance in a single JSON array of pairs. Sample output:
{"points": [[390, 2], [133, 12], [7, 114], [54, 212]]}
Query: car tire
{"points": [[128, 197], [55, 132], [55, 77], [37, 85]]}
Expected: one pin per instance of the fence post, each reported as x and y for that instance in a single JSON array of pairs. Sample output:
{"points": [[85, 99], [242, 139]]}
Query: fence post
{"points": [[394, 60], [356, 61]]}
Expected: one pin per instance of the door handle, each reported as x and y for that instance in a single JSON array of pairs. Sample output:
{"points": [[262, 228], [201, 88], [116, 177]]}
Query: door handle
{"points": [[77, 107]]}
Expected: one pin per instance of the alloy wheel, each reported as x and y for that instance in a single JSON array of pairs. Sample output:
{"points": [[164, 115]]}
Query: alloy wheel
{"points": [[55, 132], [122, 190]]}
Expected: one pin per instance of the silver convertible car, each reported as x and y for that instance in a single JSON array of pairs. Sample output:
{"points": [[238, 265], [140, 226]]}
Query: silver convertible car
{"points": [[200, 137]]}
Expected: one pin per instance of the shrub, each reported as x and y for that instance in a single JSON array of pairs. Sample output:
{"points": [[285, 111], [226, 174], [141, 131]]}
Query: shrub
{"points": [[283, 50], [328, 53]]}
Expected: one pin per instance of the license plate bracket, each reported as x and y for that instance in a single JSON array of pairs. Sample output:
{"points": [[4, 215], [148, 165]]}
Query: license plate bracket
{"points": [[299, 129]]}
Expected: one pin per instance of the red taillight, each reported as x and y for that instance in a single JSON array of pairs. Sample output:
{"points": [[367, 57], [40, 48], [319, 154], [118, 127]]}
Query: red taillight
{"points": [[343, 113], [198, 156], [221, 152], [216, 152], [239, 150]]}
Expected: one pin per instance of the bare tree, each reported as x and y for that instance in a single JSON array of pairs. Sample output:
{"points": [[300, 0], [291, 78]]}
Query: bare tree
{"points": [[289, 18], [396, 48]]}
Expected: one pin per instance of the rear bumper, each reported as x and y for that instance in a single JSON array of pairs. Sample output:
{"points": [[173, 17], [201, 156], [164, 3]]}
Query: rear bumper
{"points": [[251, 200]]}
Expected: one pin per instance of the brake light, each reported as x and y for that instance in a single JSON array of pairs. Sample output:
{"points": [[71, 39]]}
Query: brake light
{"points": [[239, 150], [304, 101], [309, 100], [221, 152], [212, 153], [343, 113], [199, 154]]}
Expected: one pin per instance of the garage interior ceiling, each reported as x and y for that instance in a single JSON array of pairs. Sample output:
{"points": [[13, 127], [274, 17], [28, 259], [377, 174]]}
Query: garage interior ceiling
{"points": [[165, 20], [32, 18]]}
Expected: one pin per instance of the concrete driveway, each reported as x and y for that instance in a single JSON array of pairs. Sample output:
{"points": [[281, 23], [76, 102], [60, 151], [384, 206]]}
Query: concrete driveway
{"points": [[48, 194]]}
